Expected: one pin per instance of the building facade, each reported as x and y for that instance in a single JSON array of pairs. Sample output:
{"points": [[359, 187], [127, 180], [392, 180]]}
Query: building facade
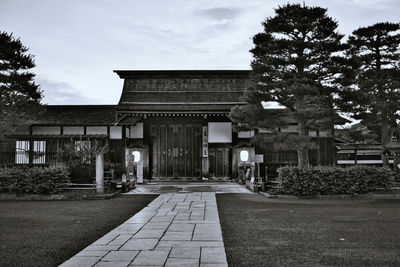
{"points": [[171, 124]]}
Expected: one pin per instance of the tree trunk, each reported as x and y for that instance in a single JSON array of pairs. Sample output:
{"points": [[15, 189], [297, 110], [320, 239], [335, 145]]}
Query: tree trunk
{"points": [[302, 149], [386, 138], [302, 157]]}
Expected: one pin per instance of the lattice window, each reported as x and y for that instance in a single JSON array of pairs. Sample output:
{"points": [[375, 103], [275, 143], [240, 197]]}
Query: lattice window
{"points": [[22, 152], [84, 146], [39, 152]]}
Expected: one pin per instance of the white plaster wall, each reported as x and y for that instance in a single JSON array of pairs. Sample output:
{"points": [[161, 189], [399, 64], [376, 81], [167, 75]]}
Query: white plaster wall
{"points": [[73, 130], [46, 130], [220, 132], [96, 130], [115, 132], [137, 131]]}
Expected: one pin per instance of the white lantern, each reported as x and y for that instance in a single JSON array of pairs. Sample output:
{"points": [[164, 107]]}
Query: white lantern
{"points": [[244, 155], [136, 156]]}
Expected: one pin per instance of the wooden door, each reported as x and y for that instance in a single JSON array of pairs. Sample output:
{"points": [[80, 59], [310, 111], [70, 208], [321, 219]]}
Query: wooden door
{"points": [[176, 150], [219, 162]]}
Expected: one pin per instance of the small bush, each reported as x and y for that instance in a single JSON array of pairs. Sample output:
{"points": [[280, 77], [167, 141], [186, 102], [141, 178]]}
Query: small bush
{"points": [[33, 180], [324, 180]]}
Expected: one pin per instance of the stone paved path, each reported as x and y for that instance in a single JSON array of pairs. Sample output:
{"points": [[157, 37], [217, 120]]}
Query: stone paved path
{"points": [[175, 229]]}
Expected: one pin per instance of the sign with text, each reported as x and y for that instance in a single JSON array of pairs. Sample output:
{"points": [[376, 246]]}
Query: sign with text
{"points": [[259, 158], [205, 142]]}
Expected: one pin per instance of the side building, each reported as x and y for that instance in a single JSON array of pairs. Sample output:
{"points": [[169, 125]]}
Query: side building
{"points": [[176, 123]]}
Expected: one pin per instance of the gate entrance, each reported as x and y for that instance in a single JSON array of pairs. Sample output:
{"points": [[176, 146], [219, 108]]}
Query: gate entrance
{"points": [[176, 150]]}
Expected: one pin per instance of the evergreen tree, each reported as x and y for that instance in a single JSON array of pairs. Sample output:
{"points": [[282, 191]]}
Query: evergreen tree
{"points": [[374, 92], [19, 95], [295, 62]]}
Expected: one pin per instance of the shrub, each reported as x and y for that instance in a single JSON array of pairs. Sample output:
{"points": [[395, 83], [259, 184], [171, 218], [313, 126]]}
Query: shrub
{"points": [[79, 157], [33, 180], [326, 180]]}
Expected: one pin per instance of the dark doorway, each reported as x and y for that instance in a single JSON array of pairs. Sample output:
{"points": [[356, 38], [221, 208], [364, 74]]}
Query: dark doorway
{"points": [[176, 150]]}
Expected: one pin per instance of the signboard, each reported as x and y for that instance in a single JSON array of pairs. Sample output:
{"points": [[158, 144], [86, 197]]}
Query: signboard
{"points": [[259, 158], [205, 141], [220, 132]]}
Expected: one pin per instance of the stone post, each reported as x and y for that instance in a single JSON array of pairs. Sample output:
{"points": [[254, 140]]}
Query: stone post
{"points": [[100, 173]]}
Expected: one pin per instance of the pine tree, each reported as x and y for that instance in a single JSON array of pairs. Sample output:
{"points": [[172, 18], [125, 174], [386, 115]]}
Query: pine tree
{"points": [[19, 95], [295, 62], [374, 92]]}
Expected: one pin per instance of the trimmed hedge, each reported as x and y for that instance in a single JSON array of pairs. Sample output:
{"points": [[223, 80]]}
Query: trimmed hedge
{"points": [[326, 180], [33, 180]]}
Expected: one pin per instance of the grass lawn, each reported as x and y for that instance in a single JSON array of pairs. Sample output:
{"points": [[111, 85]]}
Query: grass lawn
{"points": [[46, 233], [265, 232]]}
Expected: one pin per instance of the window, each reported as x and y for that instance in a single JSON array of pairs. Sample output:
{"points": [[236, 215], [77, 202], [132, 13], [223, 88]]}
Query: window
{"points": [[22, 149], [84, 146], [39, 152], [22, 152]]}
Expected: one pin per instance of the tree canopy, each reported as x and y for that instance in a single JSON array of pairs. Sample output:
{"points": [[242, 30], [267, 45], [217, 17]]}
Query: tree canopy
{"points": [[372, 92], [295, 62], [20, 96]]}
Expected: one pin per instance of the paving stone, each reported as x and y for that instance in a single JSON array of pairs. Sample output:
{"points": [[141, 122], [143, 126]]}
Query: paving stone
{"points": [[212, 218], [181, 227], [177, 236], [92, 253], [207, 236], [80, 262], [184, 252], [149, 234], [213, 255], [181, 243], [129, 226], [120, 240], [141, 219], [105, 239], [182, 217], [161, 212], [150, 258], [197, 213], [112, 264], [196, 217], [105, 247], [125, 256], [181, 209], [174, 218], [203, 221], [162, 219], [214, 227], [163, 248], [156, 226], [123, 232], [139, 244], [171, 262]]}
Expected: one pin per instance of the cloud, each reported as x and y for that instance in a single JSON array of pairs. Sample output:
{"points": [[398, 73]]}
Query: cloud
{"points": [[61, 93], [221, 13]]}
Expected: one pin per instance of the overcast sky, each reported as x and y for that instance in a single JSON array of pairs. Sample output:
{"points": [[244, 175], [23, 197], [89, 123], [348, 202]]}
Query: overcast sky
{"points": [[77, 44]]}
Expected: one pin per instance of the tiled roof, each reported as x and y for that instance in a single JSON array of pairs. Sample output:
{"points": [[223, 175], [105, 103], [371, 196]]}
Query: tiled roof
{"points": [[182, 90], [77, 115]]}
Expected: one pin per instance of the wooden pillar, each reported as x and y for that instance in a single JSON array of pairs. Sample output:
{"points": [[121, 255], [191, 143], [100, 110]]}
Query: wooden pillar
{"points": [[124, 155], [100, 173], [31, 152], [204, 159]]}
